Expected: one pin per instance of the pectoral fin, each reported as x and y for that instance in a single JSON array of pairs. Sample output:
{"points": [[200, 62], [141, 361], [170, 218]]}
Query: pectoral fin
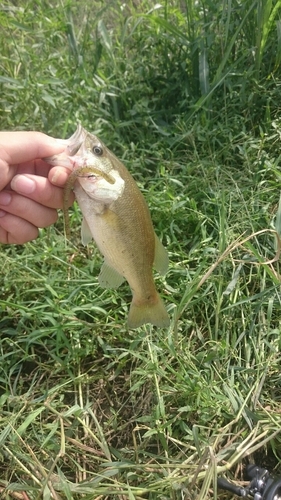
{"points": [[161, 258], [109, 278], [86, 235]]}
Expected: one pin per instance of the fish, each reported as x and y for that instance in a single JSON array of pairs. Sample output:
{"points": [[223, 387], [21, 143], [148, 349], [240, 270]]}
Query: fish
{"points": [[117, 217]]}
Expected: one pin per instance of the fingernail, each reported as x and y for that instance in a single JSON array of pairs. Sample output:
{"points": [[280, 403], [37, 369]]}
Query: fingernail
{"points": [[5, 198], [59, 177], [63, 142], [23, 184], [55, 177]]}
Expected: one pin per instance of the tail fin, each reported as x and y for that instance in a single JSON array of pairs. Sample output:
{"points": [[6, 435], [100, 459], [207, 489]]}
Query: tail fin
{"points": [[155, 314]]}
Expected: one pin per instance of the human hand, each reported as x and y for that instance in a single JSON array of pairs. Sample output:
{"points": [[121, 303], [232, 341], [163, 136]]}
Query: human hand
{"points": [[31, 190]]}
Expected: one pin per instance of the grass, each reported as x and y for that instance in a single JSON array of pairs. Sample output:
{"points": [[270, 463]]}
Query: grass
{"points": [[188, 96]]}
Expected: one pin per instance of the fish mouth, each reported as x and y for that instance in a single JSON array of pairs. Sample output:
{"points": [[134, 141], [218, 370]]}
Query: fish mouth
{"points": [[67, 158], [61, 160], [73, 148]]}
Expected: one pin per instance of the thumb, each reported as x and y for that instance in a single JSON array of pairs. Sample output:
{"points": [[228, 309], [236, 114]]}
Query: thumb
{"points": [[20, 147]]}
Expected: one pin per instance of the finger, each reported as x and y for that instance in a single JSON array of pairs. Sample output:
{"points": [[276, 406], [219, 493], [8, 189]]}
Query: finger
{"points": [[32, 212], [39, 189], [23, 147], [15, 230], [58, 175], [19, 147]]}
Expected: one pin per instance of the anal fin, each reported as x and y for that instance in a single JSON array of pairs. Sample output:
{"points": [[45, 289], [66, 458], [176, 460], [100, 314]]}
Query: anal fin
{"points": [[109, 278]]}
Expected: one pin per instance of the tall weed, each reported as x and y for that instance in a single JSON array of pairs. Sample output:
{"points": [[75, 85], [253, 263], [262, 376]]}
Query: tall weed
{"points": [[187, 94]]}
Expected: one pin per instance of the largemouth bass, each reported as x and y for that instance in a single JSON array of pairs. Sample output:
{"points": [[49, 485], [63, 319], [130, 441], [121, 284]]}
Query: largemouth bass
{"points": [[117, 217]]}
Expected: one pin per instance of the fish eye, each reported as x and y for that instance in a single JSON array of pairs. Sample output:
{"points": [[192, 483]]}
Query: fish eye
{"points": [[97, 150]]}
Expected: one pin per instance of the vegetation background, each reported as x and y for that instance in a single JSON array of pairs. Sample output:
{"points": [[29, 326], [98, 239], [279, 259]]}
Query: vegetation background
{"points": [[187, 94]]}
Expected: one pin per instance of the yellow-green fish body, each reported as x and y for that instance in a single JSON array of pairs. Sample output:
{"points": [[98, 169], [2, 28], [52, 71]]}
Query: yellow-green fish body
{"points": [[117, 217]]}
